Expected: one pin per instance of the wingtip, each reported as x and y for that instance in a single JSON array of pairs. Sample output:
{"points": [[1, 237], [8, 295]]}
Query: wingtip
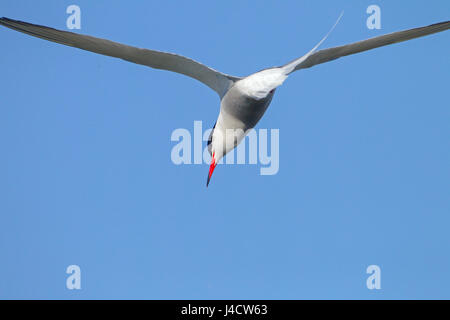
{"points": [[5, 21]]}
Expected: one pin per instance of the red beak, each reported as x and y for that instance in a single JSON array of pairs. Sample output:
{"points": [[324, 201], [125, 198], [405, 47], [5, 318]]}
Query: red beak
{"points": [[211, 169]]}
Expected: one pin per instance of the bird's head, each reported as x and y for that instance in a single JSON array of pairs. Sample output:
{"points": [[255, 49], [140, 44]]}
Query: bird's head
{"points": [[216, 150], [221, 142]]}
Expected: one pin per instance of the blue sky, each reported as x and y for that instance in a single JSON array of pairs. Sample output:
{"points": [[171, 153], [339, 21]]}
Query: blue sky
{"points": [[86, 176]]}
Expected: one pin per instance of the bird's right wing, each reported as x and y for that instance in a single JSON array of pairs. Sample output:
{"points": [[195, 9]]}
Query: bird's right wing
{"points": [[326, 55], [217, 81]]}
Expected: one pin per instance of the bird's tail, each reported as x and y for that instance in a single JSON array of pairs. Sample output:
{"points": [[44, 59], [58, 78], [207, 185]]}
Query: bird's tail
{"points": [[290, 67]]}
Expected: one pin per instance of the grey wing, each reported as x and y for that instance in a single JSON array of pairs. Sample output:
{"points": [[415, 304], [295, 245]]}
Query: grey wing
{"points": [[326, 55], [217, 81]]}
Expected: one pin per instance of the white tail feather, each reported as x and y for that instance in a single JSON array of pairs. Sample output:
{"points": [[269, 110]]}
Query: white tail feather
{"points": [[288, 68]]}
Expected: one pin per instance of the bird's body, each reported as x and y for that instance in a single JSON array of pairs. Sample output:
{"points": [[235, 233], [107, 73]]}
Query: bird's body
{"points": [[244, 100], [241, 108]]}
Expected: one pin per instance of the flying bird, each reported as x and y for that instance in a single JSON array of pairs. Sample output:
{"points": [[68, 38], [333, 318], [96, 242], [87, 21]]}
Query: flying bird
{"points": [[243, 100]]}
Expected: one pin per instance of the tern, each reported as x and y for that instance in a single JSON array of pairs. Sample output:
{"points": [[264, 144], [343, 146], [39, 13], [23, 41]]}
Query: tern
{"points": [[243, 100]]}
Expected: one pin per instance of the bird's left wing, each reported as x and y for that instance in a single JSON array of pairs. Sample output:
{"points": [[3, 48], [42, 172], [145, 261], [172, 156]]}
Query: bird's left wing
{"points": [[325, 55], [217, 81]]}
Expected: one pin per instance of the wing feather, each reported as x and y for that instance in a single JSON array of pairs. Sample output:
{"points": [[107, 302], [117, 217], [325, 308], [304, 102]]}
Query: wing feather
{"points": [[216, 80], [329, 54]]}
